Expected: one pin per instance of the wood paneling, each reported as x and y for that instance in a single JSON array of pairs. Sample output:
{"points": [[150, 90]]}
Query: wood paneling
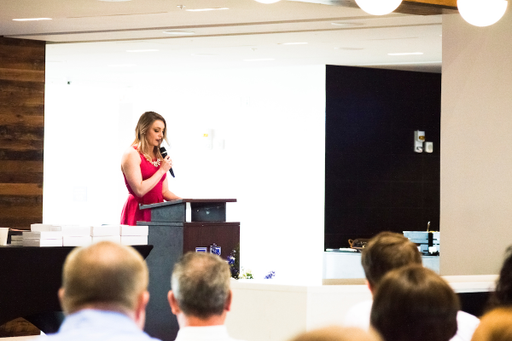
{"points": [[21, 131], [445, 3]]}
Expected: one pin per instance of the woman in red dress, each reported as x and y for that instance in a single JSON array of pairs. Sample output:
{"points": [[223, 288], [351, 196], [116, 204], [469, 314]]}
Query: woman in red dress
{"points": [[145, 170]]}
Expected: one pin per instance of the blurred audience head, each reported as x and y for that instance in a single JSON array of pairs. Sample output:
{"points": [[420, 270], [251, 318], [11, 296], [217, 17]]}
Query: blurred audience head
{"points": [[201, 285], [106, 276], [337, 333], [502, 295], [495, 325], [413, 303], [385, 252]]}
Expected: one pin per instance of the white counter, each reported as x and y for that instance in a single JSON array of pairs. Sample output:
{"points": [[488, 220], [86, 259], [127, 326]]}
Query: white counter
{"points": [[270, 311], [348, 264]]}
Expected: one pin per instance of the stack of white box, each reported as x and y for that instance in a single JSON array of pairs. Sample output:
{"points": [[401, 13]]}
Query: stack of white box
{"points": [[17, 239], [42, 235], [105, 232], [134, 235], [76, 235]]}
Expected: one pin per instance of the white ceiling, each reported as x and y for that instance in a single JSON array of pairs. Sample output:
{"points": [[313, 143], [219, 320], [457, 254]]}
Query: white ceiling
{"points": [[90, 38]]}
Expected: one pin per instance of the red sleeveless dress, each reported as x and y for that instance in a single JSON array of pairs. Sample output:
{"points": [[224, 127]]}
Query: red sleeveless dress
{"points": [[131, 213]]}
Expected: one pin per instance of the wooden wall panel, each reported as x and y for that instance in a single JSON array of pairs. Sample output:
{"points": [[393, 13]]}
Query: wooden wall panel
{"points": [[21, 131]]}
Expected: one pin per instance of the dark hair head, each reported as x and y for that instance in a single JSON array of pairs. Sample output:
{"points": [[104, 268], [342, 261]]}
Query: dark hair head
{"points": [[201, 284], [413, 303], [502, 295], [385, 252]]}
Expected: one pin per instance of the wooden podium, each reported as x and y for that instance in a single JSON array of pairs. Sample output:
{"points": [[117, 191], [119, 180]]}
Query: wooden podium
{"points": [[177, 227]]}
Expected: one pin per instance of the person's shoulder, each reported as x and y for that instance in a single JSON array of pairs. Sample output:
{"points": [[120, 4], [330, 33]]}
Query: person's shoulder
{"points": [[466, 318], [131, 153], [466, 325], [359, 315]]}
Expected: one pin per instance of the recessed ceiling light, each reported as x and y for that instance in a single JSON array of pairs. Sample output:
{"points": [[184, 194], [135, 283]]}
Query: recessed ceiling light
{"points": [[405, 54], [349, 48], [267, 1], [31, 19], [259, 60], [179, 33], [146, 50], [347, 24], [207, 9]]}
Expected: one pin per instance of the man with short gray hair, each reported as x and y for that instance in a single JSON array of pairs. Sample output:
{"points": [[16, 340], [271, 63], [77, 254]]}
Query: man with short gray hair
{"points": [[201, 297]]}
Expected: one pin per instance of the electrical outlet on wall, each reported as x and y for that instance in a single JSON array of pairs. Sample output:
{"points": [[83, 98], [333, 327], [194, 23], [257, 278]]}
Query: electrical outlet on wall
{"points": [[419, 138]]}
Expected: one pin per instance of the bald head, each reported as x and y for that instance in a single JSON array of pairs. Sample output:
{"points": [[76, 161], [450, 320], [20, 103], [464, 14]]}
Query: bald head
{"points": [[338, 333], [104, 274]]}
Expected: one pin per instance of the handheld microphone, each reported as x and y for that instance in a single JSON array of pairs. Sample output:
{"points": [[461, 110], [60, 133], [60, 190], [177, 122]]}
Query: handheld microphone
{"points": [[164, 154]]}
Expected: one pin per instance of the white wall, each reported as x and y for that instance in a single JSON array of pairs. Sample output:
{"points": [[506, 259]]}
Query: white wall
{"points": [[270, 120], [476, 164]]}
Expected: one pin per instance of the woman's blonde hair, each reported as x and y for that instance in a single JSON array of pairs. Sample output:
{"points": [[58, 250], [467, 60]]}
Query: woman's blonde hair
{"points": [[145, 122]]}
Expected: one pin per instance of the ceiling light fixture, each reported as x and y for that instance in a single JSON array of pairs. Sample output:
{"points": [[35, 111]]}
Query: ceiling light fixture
{"points": [[482, 12], [267, 1], [378, 7], [31, 19], [346, 24], [349, 48], [179, 33]]}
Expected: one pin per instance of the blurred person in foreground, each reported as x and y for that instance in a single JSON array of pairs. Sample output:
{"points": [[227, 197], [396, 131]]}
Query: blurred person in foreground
{"points": [[104, 294], [201, 297], [385, 252], [502, 294], [414, 303], [495, 325], [338, 333]]}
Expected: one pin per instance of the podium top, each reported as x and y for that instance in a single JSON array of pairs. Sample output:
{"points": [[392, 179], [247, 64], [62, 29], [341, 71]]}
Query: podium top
{"points": [[189, 210], [181, 201]]}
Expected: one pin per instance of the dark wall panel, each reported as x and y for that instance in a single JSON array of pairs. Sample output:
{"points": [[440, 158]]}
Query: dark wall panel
{"points": [[21, 131], [374, 180]]}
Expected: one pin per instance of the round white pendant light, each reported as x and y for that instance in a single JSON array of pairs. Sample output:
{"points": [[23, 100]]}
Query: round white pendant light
{"points": [[378, 7], [482, 12]]}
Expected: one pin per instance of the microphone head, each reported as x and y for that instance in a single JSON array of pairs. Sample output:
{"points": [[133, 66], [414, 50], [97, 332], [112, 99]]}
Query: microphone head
{"points": [[163, 151]]}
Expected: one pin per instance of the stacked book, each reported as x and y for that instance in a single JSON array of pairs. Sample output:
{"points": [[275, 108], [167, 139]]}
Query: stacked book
{"points": [[106, 232], [42, 235], [76, 235], [134, 235]]}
